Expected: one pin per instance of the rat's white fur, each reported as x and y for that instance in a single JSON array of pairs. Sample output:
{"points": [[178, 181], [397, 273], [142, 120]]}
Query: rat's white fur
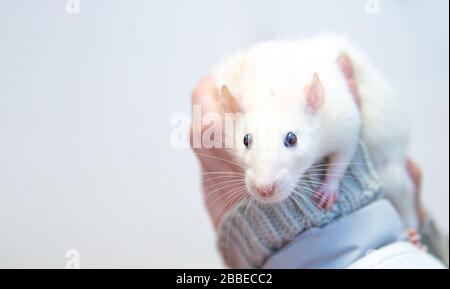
{"points": [[268, 82]]}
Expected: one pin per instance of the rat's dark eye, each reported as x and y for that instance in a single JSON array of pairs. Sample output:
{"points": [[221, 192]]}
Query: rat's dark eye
{"points": [[290, 140], [248, 140]]}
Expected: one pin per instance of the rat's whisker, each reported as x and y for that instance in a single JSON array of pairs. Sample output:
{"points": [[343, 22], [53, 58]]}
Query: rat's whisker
{"points": [[223, 173], [313, 202], [207, 179], [321, 183], [222, 189], [248, 209], [283, 204], [223, 180], [307, 199], [331, 164], [311, 192], [225, 195], [208, 193], [221, 159], [234, 197], [324, 170], [227, 241], [246, 206], [318, 183], [302, 210], [330, 175], [208, 187]]}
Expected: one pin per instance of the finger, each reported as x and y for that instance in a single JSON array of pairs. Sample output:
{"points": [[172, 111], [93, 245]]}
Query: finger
{"points": [[415, 173], [411, 231], [323, 200], [415, 239], [333, 201], [318, 196], [205, 94], [326, 201], [330, 201]]}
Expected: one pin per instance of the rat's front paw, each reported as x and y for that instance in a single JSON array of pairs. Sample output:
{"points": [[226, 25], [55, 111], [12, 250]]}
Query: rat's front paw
{"points": [[326, 196]]}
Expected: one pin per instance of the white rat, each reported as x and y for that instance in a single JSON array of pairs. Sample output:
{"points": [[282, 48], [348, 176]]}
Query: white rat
{"points": [[297, 103]]}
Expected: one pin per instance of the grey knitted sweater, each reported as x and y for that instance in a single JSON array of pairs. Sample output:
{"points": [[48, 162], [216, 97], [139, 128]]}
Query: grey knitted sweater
{"points": [[251, 232]]}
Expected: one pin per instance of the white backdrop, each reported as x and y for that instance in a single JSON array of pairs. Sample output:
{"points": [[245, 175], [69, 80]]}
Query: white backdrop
{"points": [[85, 103]]}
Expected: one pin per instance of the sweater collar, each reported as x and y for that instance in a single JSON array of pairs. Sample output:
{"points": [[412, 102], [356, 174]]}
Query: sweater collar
{"points": [[344, 241]]}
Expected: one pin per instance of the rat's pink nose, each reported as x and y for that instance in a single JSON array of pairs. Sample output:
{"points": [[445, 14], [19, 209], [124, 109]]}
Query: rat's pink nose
{"points": [[266, 190]]}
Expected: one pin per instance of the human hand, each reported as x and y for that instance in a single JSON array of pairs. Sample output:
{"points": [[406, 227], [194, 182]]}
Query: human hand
{"points": [[222, 179]]}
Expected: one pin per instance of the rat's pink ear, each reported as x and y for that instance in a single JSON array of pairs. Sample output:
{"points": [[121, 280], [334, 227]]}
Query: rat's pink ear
{"points": [[315, 94], [229, 101]]}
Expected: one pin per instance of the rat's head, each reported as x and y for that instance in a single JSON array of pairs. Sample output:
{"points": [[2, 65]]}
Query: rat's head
{"points": [[276, 138]]}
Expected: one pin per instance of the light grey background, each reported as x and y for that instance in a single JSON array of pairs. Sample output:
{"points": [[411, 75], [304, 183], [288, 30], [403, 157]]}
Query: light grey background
{"points": [[85, 103]]}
